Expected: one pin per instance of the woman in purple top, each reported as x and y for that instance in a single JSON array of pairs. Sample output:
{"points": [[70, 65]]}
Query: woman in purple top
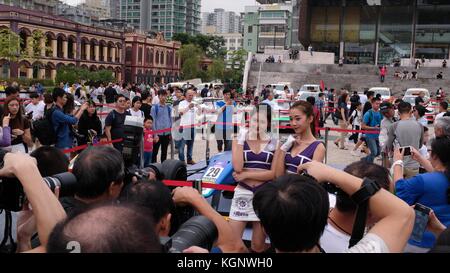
{"points": [[303, 147], [5, 132], [253, 155]]}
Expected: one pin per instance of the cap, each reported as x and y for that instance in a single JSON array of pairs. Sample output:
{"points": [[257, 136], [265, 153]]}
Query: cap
{"points": [[385, 106]]}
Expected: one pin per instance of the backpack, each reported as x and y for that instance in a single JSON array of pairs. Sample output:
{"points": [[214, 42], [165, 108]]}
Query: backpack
{"points": [[157, 109], [43, 128]]}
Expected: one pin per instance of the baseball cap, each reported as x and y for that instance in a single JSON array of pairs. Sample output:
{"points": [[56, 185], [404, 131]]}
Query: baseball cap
{"points": [[385, 106]]}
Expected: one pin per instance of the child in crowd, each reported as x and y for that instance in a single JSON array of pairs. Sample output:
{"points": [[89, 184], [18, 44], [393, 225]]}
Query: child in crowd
{"points": [[148, 141]]}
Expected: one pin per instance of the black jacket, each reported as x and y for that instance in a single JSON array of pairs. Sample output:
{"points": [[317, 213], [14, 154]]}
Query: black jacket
{"points": [[87, 123]]}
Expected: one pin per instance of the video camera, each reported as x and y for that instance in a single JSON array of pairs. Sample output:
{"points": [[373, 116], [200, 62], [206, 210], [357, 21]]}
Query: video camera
{"points": [[197, 231]]}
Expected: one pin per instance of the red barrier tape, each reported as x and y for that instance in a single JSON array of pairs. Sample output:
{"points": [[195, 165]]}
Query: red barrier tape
{"points": [[175, 183], [337, 130], [82, 147]]}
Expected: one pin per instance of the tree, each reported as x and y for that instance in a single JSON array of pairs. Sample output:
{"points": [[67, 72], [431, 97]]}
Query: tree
{"points": [[216, 70], [190, 58], [237, 62], [216, 48], [73, 75], [9, 45], [34, 48], [184, 38]]}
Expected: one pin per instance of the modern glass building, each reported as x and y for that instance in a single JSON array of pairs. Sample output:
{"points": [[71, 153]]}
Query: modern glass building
{"points": [[377, 32]]}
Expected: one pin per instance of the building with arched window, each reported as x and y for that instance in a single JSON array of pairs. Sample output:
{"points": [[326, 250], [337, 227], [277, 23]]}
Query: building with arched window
{"points": [[151, 60], [68, 44]]}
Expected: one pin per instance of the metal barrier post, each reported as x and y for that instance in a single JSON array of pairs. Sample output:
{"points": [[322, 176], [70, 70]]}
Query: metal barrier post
{"points": [[327, 132], [172, 147], [197, 184], [207, 151]]}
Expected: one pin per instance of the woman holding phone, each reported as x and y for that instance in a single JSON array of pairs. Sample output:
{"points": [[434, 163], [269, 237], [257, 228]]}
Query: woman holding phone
{"points": [[430, 189]]}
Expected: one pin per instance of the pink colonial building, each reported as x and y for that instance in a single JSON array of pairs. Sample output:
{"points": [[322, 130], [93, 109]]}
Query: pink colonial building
{"points": [[151, 60]]}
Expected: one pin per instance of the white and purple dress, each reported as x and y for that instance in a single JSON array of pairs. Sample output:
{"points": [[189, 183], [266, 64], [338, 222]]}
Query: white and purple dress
{"points": [[241, 205], [292, 162]]}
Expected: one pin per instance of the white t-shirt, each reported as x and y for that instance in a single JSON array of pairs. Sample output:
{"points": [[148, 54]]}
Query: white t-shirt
{"points": [[423, 120], [38, 110], [137, 113], [424, 151], [440, 115], [371, 243], [270, 102], [187, 118], [334, 240], [155, 100], [363, 99]]}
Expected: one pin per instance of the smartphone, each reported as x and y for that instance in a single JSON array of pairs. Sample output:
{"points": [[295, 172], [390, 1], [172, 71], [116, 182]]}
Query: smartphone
{"points": [[407, 150], [420, 223]]}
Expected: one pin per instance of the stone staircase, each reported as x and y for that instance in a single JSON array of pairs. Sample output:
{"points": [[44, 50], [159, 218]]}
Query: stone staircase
{"points": [[353, 77]]}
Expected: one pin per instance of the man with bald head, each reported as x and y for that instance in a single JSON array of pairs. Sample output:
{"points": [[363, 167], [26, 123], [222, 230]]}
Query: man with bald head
{"points": [[102, 229], [187, 110]]}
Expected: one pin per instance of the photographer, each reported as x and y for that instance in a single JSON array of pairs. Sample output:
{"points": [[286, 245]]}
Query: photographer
{"points": [[336, 237], [228, 241], [46, 208], [50, 161], [294, 210], [105, 228], [156, 197], [100, 174], [62, 121], [429, 189]]}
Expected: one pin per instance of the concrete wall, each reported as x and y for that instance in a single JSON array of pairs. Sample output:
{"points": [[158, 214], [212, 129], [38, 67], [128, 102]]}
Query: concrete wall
{"points": [[354, 77]]}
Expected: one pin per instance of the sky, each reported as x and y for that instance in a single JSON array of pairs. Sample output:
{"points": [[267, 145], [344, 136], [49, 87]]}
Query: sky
{"points": [[207, 5]]}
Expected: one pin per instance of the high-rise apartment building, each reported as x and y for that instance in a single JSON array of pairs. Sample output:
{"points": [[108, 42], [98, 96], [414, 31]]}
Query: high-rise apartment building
{"points": [[166, 16], [220, 21]]}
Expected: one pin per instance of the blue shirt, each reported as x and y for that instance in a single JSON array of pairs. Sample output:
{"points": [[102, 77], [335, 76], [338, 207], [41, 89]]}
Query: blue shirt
{"points": [[372, 119], [61, 123], [428, 189], [226, 116], [162, 118]]}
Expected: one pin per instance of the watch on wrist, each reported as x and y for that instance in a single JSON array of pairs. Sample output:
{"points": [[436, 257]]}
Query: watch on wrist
{"points": [[368, 188]]}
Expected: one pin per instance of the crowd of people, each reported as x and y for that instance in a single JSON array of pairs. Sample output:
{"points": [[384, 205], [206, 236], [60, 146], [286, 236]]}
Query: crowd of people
{"points": [[280, 184]]}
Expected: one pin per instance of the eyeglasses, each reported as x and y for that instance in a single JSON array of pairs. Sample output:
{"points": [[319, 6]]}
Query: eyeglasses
{"points": [[120, 101]]}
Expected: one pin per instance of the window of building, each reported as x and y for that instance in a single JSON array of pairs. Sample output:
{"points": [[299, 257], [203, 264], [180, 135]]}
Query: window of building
{"points": [[140, 54], [128, 54], [250, 29], [249, 43]]}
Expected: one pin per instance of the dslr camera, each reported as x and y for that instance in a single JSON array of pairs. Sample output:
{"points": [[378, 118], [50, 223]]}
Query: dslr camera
{"points": [[12, 196], [197, 231]]}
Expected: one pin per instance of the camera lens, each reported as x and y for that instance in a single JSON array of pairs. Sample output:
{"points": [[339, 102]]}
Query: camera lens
{"points": [[65, 181], [198, 231]]}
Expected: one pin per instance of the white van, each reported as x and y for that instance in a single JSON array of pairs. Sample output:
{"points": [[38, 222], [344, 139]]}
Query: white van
{"points": [[385, 92]]}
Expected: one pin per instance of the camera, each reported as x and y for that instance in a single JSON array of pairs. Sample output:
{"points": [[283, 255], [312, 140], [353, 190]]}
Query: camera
{"points": [[132, 141], [12, 196], [197, 231]]}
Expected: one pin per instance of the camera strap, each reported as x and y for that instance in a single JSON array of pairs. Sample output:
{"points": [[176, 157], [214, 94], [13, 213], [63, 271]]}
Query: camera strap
{"points": [[361, 198], [7, 235]]}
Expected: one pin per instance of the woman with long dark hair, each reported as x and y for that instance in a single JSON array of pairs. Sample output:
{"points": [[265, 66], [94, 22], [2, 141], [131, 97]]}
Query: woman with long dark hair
{"points": [[342, 115], [253, 158], [302, 147], [20, 126], [431, 189], [89, 121]]}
